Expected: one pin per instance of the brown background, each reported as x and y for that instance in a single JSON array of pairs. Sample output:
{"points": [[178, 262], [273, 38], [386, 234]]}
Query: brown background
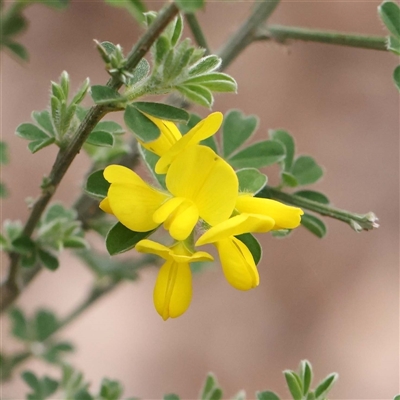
{"points": [[334, 301]]}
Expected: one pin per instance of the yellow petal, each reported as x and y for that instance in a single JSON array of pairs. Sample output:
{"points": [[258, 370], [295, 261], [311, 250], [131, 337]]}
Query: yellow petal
{"points": [[237, 264], [237, 225], [149, 246], [181, 223], [200, 175], [286, 217], [168, 137], [120, 174], [166, 209], [173, 289], [203, 130], [105, 206], [135, 203]]}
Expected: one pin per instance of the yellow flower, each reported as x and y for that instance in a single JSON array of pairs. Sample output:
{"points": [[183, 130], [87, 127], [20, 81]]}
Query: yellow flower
{"points": [[200, 184], [173, 289], [236, 259], [285, 217]]}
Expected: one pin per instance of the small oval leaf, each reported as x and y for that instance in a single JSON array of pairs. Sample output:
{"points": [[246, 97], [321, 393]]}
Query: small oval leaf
{"points": [[314, 225], [162, 111]]}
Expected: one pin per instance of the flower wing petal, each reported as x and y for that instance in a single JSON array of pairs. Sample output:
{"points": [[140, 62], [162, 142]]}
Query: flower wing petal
{"points": [[149, 246], [105, 206]]}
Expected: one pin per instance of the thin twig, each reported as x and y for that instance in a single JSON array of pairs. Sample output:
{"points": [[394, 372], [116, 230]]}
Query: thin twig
{"points": [[281, 34], [197, 32]]}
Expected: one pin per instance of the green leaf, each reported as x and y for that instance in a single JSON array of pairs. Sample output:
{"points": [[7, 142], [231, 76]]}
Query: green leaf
{"points": [[313, 196], [190, 6], [110, 390], [314, 225], [83, 394], [110, 127], [251, 180], [46, 323], [171, 397], [162, 111], [101, 138], [80, 95], [177, 30], [253, 245], [57, 4], [19, 324], [288, 179], [105, 95], [3, 190], [257, 155], [49, 386], [140, 125], [267, 396], [48, 260], [293, 384], [197, 94], [237, 128], [396, 397], [326, 385], [29, 260], [18, 49], [23, 245], [161, 49], [306, 376], [31, 380], [37, 145], [140, 72], [121, 239], [55, 352], [306, 170], [204, 65], [390, 15], [14, 24], [287, 140], [31, 132], [216, 394], [216, 82], [96, 184], [281, 233], [393, 45], [151, 160], [43, 119], [4, 159], [76, 242], [396, 77], [209, 384]]}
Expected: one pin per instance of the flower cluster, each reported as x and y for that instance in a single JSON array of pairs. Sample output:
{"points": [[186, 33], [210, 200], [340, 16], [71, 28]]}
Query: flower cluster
{"points": [[202, 191]]}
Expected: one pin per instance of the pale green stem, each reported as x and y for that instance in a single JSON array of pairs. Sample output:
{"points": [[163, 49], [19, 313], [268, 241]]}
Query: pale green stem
{"points": [[281, 34], [197, 32]]}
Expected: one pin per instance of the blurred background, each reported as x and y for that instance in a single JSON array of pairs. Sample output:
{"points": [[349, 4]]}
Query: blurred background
{"points": [[333, 301]]}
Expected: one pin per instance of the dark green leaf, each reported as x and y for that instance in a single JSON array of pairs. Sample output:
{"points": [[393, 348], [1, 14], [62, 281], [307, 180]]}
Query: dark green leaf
{"points": [[190, 6], [83, 394], [109, 126], [121, 239], [57, 4], [326, 385], [306, 170], [19, 324], [16, 23], [76, 242], [151, 160], [140, 125], [96, 184], [48, 260], [101, 138], [110, 390], [4, 159], [46, 323], [258, 155], [43, 118], [251, 180], [37, 145], [237, 128], [293, 384], [162, 111], [162, 48], [267, 396], [288, 179], [288, 142], [171, 397], [253, 245], [31, 380], [197, 94], [23, 245], [396, 77], [49, 386], [177, 30], [206, 64], [3, 190], [216, 394], [105, 95], [306, 376], [314, 225], [140, 72], [18, 50], [390, 15], [31, 132], [209, 384], [313, 196], [29, 260]]}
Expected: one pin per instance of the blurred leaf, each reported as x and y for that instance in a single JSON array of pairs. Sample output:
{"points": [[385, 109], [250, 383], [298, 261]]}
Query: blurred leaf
{"points": [[251, 180], [190, 6], [105, 95], [31, 380], [18, 49], [313, 196], [326, 385], [306, 170], [237, 128], [121, 239], [287, 140], [267, 396], [4, 159], [19, 324], [288, 179], [23, 245], [110, 390], [171, 397], [48, 260], [3, 190], [293, 385], [209, 384], [140, 125], [393, 45], [241, 395], [162, 111], [257, 155], [46, 323], [253, 245], [55, 353], [101, 138], [281, 233], [396, 77], [96, 184], [390, 15], [314, 225], [16, 23]]}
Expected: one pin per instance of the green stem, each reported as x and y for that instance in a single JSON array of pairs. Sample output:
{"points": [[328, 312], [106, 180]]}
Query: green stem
{"points": [[246, 33], [358, 222], [197, 32], [10, 288], [281, 34]]}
